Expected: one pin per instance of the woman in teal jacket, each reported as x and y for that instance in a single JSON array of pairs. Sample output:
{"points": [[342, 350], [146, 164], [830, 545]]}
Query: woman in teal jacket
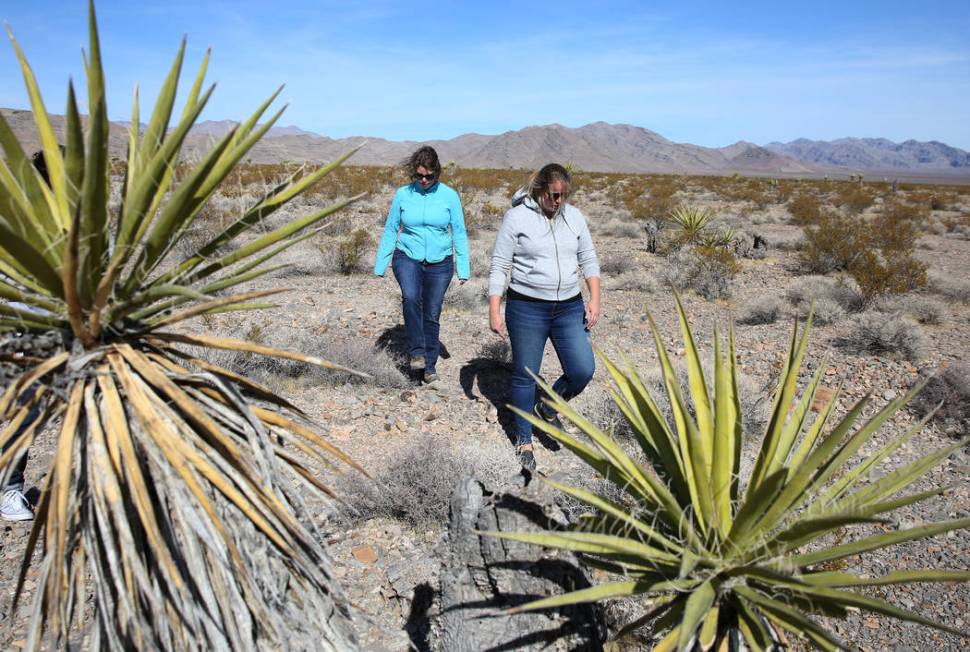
{"points": [[425, 226]]}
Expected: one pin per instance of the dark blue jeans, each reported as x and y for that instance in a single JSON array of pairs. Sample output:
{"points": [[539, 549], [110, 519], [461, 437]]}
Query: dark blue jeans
{"points": [[530, 324], [423, 287]]}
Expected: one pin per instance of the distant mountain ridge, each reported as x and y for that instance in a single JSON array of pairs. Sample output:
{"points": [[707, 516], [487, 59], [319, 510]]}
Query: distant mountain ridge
{"points": [[874, 153], [596, 147]]}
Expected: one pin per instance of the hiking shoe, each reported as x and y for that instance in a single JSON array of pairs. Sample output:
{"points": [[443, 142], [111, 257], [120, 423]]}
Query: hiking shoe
{"points": [[543, 413], [430, 377], [14, 506], [417, 363], [526, 457]]}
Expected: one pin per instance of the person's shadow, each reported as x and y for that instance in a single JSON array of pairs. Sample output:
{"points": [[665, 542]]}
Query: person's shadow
{"points": [[492, 374], [394, 341]]}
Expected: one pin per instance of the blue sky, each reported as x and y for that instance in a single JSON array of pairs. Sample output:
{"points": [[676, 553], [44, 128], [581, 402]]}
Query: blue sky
{"points": [[709, 73]]}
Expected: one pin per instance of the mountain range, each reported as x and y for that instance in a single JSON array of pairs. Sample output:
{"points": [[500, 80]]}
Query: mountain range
{"points": [[599, 147]]}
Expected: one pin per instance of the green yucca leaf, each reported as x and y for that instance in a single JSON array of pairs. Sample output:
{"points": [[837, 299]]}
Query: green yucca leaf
{"points": [[699, 603], [739, 557]]}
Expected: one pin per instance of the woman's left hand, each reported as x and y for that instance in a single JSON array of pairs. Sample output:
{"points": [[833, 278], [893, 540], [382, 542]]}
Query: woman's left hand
{"points": [[592, 312]]}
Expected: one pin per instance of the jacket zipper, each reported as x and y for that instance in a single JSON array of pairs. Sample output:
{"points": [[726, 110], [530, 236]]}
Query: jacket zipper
{"points": [[555, 246]]}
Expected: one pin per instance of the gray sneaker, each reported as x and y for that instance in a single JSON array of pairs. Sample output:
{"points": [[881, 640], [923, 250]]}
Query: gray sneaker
{"points": [[430, 377], [417, 363], [14, 506], [526, 457]]}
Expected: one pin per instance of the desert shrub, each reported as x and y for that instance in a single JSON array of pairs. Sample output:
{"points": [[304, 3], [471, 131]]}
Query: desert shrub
{"points": [[831, 243], [706, 270], [804, 209], [833, 298], [618, 228], [350, 250], [616, 265], [900, 211], [762, 310], [950, 390], [633, 280], [497, 350], [467, 296], [855, 197], [955, 289], [924, 309], [874, 332], [415, 487], [877, 253], [279, 373]]}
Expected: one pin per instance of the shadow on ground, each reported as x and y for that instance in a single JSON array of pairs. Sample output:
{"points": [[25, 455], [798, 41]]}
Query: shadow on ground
{"points": [[492, 378]]}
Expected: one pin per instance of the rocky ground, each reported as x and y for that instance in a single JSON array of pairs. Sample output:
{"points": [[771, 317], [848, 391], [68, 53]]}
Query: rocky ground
{"points": [[417, 440]]}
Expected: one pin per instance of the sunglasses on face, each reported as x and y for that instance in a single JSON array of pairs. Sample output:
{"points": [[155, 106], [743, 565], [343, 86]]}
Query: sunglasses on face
{"points": [[423, 177], [556, 196]]}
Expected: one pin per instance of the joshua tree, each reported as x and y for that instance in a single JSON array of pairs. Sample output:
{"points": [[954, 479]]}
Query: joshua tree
{"points": [[172, 497]]}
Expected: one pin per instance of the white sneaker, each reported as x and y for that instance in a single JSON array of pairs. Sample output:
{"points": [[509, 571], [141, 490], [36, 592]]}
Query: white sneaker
{"points": [[14, 506]]}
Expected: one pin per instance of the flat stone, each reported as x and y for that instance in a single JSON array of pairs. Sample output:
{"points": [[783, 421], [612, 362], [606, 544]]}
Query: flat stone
{"points": [[365, 554]]}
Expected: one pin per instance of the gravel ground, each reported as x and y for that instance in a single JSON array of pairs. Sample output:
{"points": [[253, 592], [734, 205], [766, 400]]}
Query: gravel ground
{"points": [[389, 565]]}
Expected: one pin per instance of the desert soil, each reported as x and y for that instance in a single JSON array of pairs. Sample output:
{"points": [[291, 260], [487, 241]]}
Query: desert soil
{"points": [[389, 567]]}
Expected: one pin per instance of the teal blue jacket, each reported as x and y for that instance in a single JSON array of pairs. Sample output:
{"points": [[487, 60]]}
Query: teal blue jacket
{"points": [[418, 224]]}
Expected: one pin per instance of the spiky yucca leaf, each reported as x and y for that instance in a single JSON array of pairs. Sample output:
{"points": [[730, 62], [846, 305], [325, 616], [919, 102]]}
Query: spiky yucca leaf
{"points": [[692, 222], [720, 564], [172, 497]]}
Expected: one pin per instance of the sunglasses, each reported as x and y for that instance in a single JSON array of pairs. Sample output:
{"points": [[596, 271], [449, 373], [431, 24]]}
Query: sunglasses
{"points": [[556, 196], [423, 177]]}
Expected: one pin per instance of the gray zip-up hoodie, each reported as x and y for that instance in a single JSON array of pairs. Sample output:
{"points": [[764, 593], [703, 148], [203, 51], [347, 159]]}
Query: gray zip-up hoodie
{"points": [[545, 255]]}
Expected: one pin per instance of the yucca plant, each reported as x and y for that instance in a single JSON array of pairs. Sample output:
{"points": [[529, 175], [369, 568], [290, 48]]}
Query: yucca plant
{"points": [[723, 562], [691, 222], [172, 500]]}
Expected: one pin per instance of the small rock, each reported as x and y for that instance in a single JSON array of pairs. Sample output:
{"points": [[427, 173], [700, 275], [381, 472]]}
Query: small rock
{"points": [[889, 395], [365, 554]]}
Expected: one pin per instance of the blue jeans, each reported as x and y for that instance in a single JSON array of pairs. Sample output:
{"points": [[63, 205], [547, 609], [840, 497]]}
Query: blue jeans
{"points": [[530, 324], [423, 287]]}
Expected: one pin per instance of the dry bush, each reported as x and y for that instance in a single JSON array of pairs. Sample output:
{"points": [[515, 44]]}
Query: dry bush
{"points": [[950, 390], [874, 332], [832, 299], [497, 350], [468, 296], [804, 209], [613, 265], [877, 253], [638, 280], [618, 228], [854, 196], [832, 243], [924, 309], [706, 270], [353, 352], [763, 309], [351, 249], [416, 486], [899, 211], [955, 289]]}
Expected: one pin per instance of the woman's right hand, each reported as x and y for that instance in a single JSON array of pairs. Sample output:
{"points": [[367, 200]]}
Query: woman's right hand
{"points": [[496, 323]]}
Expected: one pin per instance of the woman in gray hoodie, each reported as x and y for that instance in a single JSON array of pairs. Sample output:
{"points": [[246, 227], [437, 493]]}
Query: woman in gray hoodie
{"points": [[545, 243]]}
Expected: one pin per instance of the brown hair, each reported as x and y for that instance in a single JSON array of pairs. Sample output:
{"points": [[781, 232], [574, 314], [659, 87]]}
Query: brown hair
{"points": [[540, 181], [424, 157]]}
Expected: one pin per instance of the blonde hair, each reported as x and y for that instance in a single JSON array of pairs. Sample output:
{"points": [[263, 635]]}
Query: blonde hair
{"points": [[540, 180]]}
